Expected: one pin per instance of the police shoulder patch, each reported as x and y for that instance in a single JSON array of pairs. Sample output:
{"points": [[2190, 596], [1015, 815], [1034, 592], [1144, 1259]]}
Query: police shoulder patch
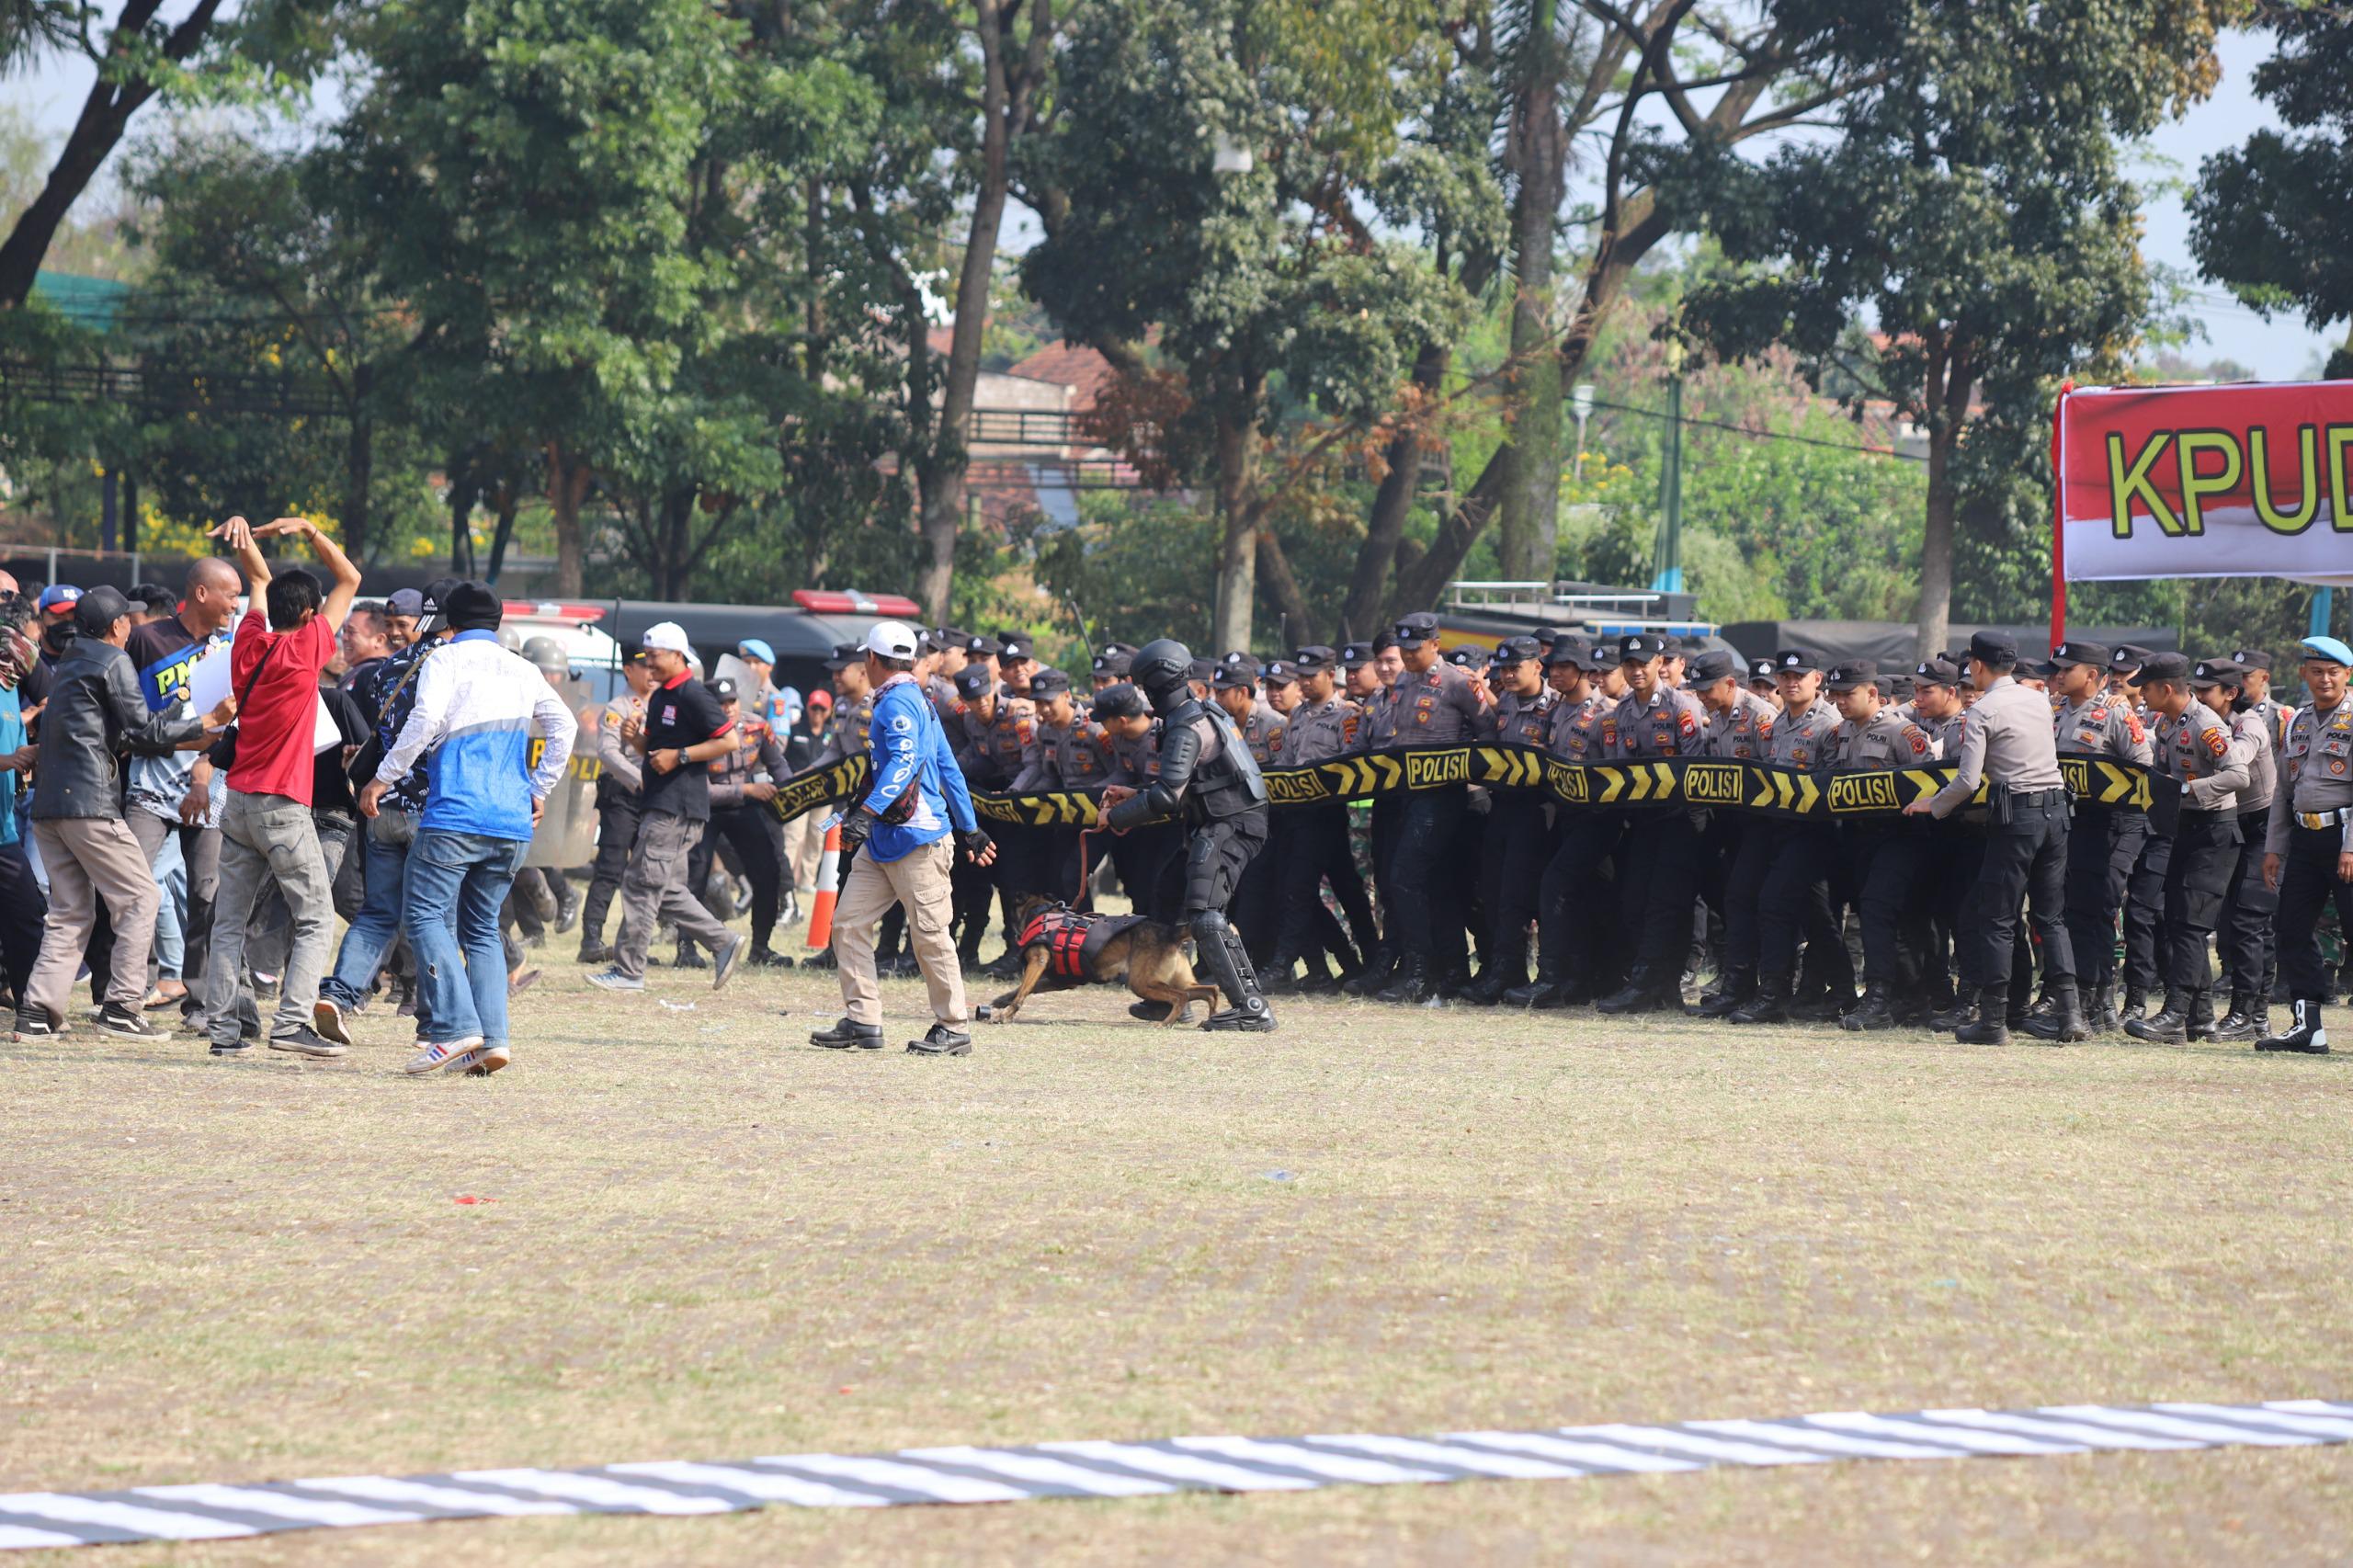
{"points": [[1919, 739], [2218, 741], [2099, 716], [1691, 724]]}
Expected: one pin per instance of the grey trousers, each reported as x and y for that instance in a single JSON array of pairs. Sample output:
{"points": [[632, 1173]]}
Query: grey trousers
{"points": [[88, 858], [264, 836], [200, 852], [269, 935], [654, 889]]}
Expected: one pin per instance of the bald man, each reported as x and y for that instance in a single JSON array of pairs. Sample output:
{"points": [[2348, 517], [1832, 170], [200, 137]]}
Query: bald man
{"points": [[169, 802]]}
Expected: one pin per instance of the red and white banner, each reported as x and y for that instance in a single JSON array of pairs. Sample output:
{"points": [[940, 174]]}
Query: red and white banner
{"points": [[2247, 481]]}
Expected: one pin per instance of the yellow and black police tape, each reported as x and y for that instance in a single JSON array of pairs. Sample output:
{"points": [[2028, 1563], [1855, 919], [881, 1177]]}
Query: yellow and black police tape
{"points": [[1788, 794]]}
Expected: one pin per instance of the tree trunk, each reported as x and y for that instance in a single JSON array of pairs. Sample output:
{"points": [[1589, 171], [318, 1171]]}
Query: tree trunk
{"points": [[504, 533], [1366, 609], [1237, 560], [359, 470], [463, 491], [1935, 616], [1528, 525], [106, 111], [1419, 586], [568, 477], [942, 484], [1274, 567]]}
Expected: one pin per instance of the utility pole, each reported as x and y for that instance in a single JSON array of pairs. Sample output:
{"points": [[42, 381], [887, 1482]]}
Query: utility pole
{"points": [[1667, 559]]}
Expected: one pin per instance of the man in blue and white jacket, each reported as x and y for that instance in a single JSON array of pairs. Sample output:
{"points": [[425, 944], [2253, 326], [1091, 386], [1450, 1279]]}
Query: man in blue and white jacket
{"points": [[476, 708], [904, 862]]}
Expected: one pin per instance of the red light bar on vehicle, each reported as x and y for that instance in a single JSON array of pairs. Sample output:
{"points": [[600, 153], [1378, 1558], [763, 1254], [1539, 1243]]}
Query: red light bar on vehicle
{"points": [[542, 608], [849, 601]]}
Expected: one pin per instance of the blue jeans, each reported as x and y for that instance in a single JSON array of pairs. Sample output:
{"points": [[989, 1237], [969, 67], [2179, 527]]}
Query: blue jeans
{"points": [[457, 884], [372, 929]]}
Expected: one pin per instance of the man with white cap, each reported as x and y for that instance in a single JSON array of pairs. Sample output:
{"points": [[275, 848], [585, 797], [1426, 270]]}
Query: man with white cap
{"points": [[917, 798], [684, 727]]}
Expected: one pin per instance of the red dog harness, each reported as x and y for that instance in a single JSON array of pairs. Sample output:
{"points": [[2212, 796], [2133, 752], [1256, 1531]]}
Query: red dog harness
{"points": [[1065, 932]]}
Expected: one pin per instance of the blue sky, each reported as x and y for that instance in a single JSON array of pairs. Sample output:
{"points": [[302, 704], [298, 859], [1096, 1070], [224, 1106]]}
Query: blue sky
{"points": [[2281, 349]]}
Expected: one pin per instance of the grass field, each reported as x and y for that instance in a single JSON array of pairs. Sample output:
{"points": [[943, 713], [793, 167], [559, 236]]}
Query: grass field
{"points": [[705, 1239]]}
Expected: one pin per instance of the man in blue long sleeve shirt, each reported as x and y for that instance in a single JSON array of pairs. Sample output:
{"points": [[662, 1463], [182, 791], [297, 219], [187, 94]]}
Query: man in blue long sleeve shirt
{"points": [[901, 832]]}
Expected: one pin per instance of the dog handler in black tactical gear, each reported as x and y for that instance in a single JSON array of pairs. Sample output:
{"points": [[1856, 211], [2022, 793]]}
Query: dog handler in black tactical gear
{"points": [[1206, 774]]}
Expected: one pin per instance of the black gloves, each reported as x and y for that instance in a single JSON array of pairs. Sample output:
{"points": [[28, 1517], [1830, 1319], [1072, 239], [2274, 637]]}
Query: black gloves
{"points": [[974, 844], [854, 827]]}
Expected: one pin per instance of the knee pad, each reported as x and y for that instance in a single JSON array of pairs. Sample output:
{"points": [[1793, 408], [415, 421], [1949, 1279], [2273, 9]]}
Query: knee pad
{"points": [[1209, 928]]}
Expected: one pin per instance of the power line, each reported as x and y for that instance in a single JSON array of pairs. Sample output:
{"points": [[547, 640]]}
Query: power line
{"points": [[1762, 435]]}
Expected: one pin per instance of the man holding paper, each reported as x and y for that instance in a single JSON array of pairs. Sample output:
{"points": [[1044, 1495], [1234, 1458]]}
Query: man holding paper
{"points": [[265, 826]]}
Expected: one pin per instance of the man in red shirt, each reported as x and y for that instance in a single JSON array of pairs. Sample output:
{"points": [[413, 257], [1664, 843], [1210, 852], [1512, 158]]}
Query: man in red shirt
{"points": [[265, 826]]}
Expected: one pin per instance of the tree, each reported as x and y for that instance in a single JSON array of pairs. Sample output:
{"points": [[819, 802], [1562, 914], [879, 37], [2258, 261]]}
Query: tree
{"points": [[1277, 307], [1772, 65], [2273, 219], [268, 45], [1971, 207]]}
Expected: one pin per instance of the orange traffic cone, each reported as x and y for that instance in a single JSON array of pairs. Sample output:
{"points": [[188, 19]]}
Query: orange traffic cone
{"points": [[821, 907]]}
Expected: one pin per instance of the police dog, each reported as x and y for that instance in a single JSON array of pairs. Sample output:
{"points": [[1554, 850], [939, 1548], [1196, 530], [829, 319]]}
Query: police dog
{"points": [[1061, 949]]}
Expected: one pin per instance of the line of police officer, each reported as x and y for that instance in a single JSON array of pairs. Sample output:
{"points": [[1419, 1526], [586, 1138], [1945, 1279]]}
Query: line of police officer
{"points": [[1461, 870]]}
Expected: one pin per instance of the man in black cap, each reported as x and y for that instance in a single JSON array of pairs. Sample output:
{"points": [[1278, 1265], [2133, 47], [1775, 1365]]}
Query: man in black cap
{"points": [[1880, 857], [1517, 836], [1111, 666], [2242, 937], [1433, 704], [1779, 889], [95, 716], [2195, 749], [2104, 842], [2254, 693], [1314, 846], [1235, 688], [1740, 729], [1073, 755], [1209, 780], [1571, 967], [1658, 870], [2007, 745], [853, 706]]}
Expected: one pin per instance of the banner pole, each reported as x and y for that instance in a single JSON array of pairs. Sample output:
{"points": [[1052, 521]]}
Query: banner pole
{"points": [[2059, 516]]}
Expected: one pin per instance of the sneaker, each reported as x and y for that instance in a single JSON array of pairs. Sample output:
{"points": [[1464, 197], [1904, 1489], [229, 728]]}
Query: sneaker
{"points": [[303, 1041], [328, 1018], [481, 1060], [38, 1025], [130, 1023], [238, 1047], [942, 1040], [730, 958], [440, 1053], [614, 980]]}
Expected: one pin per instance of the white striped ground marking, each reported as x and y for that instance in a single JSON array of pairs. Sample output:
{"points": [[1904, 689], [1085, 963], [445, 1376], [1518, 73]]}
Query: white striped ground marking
{"points": [[964, 1474]]}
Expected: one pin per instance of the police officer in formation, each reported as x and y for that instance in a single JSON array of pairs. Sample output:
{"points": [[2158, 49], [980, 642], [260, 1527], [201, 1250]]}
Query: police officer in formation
{"points": [[1996, 878]]}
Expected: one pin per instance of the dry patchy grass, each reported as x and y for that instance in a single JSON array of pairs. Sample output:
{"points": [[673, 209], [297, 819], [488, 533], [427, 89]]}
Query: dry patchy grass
{"points": [[709, 1240]]}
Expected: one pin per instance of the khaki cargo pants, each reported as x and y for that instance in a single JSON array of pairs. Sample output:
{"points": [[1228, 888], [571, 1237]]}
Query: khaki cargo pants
{"points": [[920, 880], [654, 888]]}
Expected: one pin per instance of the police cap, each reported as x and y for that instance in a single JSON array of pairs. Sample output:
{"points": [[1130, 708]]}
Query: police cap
{"points": [[2173, 667], [1512, 649], [1200, 670], [1853, 673], [2327, 651], [1413, 630], [1049, 682], [1568, 647], [2068, 656], [2128, 658], [1938, 672], [1464, 655], [2217, 672], [1994, 647], [2251, 659], [722, 689], [1760, 669], [1357, 655], [1112, 663], [1638, 647], [1796, 662], [1279, 672], [1120, 702], [1706, 669], [1309, 660], [1238, 672], [843, 655], [973, 681]]}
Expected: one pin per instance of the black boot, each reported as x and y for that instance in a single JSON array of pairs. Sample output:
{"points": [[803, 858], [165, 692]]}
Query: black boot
{"points": [[1318, 979], [2063, 1022], [1738, 987], [2136, 1003], [1374, 978], [1990, 1026], [1823, 1007], [2106, 1019], [1770, 1005], [2201, 1014], [1229, 964], [1278, 979], [1876, 1012], [2168, 1027], [2241, 1023], [1413, 983], [2303, 1033], [1535, 992], [687, 958], [1641, 994]]}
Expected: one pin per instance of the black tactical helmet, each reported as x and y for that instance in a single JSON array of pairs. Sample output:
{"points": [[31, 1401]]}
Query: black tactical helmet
{"points": [[1159, 668]]}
